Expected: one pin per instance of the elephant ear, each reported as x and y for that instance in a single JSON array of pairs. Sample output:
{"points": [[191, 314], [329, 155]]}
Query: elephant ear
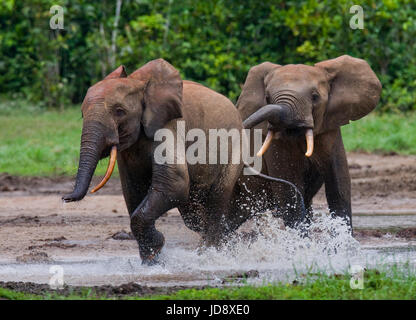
{"points": [[354, 90], [120, 72], [253, 95], [162, 94]]}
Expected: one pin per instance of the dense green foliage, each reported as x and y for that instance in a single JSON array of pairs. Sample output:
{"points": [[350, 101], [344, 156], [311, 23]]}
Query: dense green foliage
{"points": [[212, 41], [377, 285]]}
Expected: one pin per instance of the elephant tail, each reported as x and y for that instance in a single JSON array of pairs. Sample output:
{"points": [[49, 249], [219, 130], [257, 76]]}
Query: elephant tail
{"points": [[269, 178]]}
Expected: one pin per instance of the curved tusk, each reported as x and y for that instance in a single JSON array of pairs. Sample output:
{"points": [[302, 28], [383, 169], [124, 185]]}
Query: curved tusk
{"points": [[110, 168], [266, 144], [309, 142]]}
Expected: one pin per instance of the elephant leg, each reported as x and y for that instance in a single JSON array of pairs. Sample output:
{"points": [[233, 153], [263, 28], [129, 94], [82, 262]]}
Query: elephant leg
{"points": [[169, 189], [194, 211], [220, 220], [285, 160], [135, 179], [314, 182], [288, 203], [215, 222], [338, 183], [142, 223]]}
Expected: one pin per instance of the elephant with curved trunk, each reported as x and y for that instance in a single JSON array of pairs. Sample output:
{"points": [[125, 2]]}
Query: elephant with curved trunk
{"points": [[121, 116], [302, 108]]}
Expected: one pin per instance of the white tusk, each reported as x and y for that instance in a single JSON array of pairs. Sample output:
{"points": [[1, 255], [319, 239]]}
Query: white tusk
{"points": [[309, 142], [110, 168], [266, 144]]}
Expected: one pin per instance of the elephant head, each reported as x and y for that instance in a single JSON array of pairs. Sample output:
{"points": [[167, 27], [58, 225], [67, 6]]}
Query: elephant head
{"points": [[116, 109], [308, 100]]}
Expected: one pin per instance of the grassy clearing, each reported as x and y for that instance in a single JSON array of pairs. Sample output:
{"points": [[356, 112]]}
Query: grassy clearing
{"points": [[36, 142], [382, 134], [377, 285]]}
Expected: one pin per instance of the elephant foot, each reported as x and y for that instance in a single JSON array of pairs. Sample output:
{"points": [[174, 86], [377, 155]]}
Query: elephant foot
{"points": [[151, 260], [150, 247]]}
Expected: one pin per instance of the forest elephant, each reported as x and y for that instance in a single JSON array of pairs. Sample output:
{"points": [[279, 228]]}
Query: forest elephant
{"points": [[121, 118], [301, 108]]}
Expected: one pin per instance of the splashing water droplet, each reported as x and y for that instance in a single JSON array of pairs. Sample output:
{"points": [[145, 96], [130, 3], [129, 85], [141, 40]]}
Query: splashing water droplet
{"points": [[265, 245]]}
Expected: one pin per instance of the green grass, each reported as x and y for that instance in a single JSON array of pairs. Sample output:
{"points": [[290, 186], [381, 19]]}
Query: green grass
{"points": [[377, 285], [382, 134], [37, 142], [314, 287]]}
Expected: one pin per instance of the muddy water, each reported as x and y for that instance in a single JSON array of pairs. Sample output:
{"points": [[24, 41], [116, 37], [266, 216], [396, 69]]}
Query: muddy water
{"points": [[382, 221], [274, 253]]}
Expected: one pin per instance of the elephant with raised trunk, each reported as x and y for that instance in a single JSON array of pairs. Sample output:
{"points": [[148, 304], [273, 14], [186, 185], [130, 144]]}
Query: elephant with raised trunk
{"points": [[301, 108], [122, 114]]}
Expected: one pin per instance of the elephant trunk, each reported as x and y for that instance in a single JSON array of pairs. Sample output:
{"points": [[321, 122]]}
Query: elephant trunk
{"points": [[276, 114], [93, 143]]}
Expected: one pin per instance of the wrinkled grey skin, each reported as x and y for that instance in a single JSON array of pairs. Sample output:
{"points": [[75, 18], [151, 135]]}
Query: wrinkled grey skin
{"points": [[293, 98], [126, 111]]}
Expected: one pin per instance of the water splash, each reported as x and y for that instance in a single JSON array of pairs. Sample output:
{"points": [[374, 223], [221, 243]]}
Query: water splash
{"points": [[275, 252]]}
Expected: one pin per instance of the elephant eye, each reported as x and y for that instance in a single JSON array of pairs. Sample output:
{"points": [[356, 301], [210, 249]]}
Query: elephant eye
{"points": [[267, 97], [315, 96], [119, 111]]}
